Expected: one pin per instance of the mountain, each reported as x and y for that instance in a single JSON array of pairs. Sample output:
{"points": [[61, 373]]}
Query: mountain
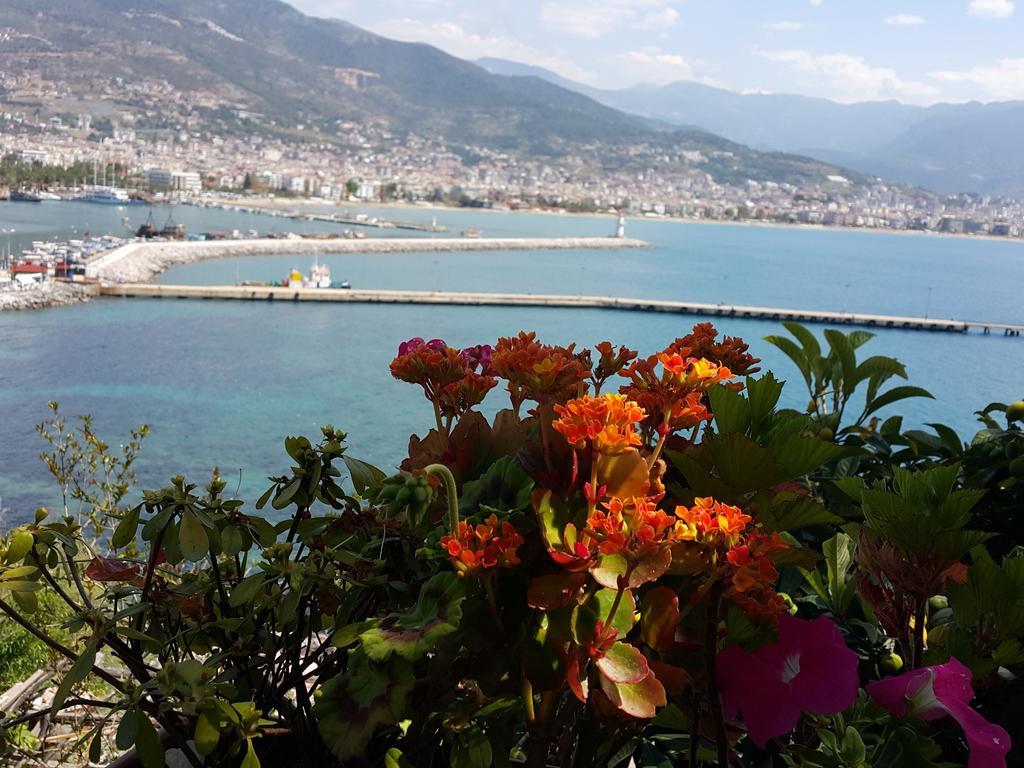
{"points": [[271, 58], [262, 63], [952, 148]]}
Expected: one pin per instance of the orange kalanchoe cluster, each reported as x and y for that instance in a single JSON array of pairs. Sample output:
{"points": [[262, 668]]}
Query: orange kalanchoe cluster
{"points": [[629, 526], [741, 558], [606, 423], [538, 372], [482, 547], [753, 576], [710, 522], [693, 373]]}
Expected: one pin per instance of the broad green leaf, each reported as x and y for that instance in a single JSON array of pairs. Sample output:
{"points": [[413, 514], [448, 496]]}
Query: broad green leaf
{"points": [[82, 666], [19, 546], [471, 749], [124, 533], [844, 352], [126, 729], [363, 475], [286, 494], [796, 354], [148, 744], [624, 618], [246, 590], [805, 336], [730, 409], [192, 538], [231, 540], [207, 733]]}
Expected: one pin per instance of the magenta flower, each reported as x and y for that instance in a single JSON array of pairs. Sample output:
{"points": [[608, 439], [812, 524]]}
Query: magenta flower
{"points": [[934, 692], [408, 346], [809, 669], [479, 357]]}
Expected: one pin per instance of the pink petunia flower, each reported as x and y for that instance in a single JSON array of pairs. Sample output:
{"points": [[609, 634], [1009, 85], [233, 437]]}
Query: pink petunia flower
{"points": [[809, 669], [934, 692]]}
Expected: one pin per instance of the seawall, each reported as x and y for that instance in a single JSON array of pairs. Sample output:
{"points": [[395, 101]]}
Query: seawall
{"points": [[363, 296], [141, 261]]}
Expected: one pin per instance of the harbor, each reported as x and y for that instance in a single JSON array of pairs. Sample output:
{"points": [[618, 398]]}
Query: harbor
{"points": [[365, 296]]}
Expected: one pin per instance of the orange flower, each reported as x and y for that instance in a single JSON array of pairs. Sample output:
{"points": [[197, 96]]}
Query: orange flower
{"points": [[491, 544], [694, 373], [536, 371], [632, 526], [753, 574], [607, 423], [710, 521]]}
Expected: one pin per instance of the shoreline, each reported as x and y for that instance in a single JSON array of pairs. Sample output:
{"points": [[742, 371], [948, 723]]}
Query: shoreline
{"points": [[283, 205], [53, 293]]}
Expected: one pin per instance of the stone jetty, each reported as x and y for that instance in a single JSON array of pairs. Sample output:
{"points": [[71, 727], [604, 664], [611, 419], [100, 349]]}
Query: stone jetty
{"points": [[52, 293], [141, 261]]}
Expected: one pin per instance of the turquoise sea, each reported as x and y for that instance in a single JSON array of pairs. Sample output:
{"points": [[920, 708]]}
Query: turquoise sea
{"points": [[222, 383]]}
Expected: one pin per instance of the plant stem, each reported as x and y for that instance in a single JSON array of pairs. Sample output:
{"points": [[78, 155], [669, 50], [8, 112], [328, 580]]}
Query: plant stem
{"points": [[919, 618], [492, 602], [437, 418], [710, 657], [695, 732], [453, 494]]}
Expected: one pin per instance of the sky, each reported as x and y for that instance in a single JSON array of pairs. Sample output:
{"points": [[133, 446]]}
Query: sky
{"points": [[914, 51]]}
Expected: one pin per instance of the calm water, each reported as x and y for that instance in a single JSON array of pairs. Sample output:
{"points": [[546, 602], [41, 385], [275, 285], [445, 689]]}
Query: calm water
{"points": [[223, 383]]}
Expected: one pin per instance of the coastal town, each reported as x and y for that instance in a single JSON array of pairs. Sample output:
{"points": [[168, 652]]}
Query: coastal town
{"points": [[188, 154]]}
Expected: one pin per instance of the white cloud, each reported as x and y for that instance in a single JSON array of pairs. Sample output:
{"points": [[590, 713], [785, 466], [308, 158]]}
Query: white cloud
{"points": [[1004, 80], [460, 42], [783, 26], [851, 78], [596, 18], [991, 9], [653, 66], [904, 20]]}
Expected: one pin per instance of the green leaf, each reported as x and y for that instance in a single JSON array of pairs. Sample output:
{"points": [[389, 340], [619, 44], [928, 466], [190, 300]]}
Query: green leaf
{"points": [[731, 410], [231, 540], [395, 759], [763, 395], [148, 744], [363, 475], [192, 538], [82, 666], [471, 749], [285, 496], [839, 552], [412, 634], [246, 590], [841, 347], [894, 395], [806, 338], [636, 699], [19, 546], [207, 733], [623, 663], [127, 728], [96, 746], [125, 531], [794, 353]]}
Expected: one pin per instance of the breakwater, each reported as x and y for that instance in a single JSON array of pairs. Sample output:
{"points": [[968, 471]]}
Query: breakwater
{"points": [[363, 296], [140, 261], [52, 293]]}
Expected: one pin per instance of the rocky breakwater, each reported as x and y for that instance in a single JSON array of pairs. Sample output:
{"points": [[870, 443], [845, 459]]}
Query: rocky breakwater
{"points": [[139, 262], [52, 293]]}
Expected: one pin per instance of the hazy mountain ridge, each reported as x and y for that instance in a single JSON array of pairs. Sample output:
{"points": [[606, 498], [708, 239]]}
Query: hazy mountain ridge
{"points": [[969, 147]]}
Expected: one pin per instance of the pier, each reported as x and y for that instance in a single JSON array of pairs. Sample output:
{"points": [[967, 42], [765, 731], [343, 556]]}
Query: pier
{"points": [[363, 296], [137, 262]]}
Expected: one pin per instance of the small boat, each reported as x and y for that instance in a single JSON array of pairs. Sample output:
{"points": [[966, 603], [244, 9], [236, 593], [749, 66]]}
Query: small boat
{"points": [[471, 232], [319, 277], [105, 196], [24, 196]]}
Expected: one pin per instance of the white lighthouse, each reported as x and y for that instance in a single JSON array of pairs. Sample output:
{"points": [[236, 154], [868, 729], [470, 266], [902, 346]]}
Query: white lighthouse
{"points": [[620, 229]]}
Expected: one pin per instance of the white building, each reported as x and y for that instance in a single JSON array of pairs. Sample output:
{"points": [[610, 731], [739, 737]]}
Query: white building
{"points": [[181, 181], [37, 156]]}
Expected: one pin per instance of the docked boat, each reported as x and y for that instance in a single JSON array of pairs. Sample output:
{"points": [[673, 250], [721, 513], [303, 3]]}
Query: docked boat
{"points": [[105, 196], [44, 195], [24, 196], [319, 277]]}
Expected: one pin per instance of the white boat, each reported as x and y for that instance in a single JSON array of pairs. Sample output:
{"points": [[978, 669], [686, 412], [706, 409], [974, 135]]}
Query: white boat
{"points": [[43, 195], [105, 196], [319, 277]]}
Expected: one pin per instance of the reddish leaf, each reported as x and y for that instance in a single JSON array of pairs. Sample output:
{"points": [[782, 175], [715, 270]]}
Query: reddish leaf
{"points": [[623, 663], [111, 569], [555, 590], [675, 679], [578, 682], [659, 617], [650, 567], [636, 699]]}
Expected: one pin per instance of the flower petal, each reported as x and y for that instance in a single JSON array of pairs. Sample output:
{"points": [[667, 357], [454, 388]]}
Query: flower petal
{"points": [[988, 743], [827, 682]]}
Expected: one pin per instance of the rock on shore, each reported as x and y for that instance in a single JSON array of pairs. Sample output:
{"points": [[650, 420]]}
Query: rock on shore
{"points": [[50, 294]]}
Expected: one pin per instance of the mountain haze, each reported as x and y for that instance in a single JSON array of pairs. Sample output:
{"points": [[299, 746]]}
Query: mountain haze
{"points": [[952, 148]]}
